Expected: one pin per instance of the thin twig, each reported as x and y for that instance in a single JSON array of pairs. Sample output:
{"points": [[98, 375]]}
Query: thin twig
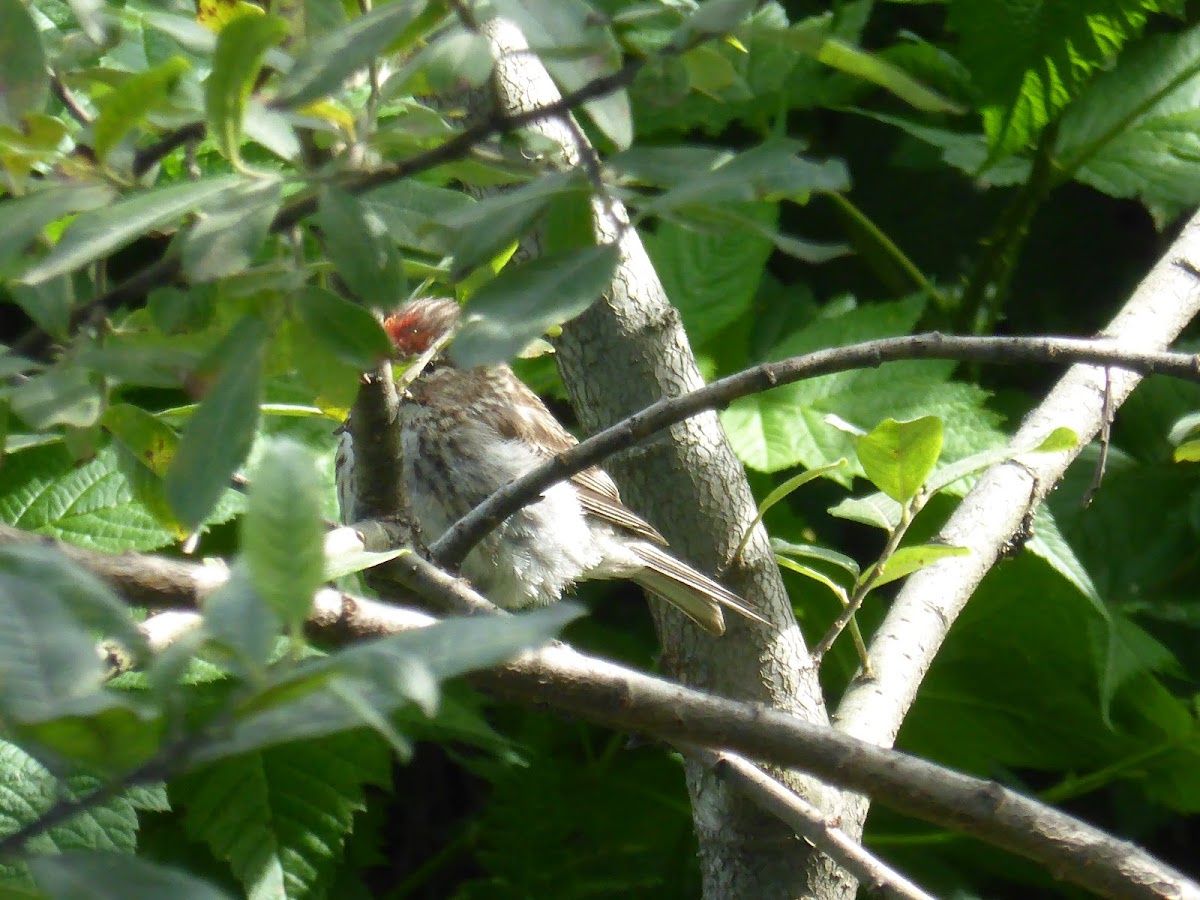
{"points": [[458, 540]]}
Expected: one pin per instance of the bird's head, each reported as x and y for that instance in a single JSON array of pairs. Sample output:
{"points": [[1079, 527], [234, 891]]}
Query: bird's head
{"points": [[418, 324]]}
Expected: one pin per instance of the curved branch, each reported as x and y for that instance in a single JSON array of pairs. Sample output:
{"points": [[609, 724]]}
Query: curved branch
{"points": [[469, 530], [625, 699]]}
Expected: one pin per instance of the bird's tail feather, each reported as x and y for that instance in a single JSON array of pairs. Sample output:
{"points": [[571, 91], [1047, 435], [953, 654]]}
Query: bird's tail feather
{"points": [[695, 594]]}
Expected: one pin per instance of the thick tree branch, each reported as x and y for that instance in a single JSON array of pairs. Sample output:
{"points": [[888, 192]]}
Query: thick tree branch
{"points": [[917, 622], [464, 534], [621, 698]]}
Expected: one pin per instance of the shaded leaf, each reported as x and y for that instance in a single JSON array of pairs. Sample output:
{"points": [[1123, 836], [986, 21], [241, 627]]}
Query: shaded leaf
{"points": [[26, 84], [22, 219], [282, 532], [523, 301], [241, 46], [220, 432], [361, 248], [348, 331], [90, 875], [229, 232], [124, 108], [97, 233]]}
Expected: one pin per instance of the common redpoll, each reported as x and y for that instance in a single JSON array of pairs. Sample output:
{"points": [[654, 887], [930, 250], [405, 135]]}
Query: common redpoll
{"points": [[467, 432]]}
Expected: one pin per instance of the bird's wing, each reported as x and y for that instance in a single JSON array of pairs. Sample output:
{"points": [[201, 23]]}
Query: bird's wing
{"points": [[528, 420]]}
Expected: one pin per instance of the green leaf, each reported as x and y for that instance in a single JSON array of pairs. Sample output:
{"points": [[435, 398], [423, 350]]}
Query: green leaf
{"points": [[899, 456], [91, 875], [280, 816], [28, 790], [414, 214], [241, 46], [22, 64], [911, 559], [330, 59], [347, 330], [711, 278], [361, 248], [65, 395], [230, 231], [43, 490], [489, 226], [1029, 59], [23, 219], [713, 18], [345, 555], [524, 301], [148, 438], [48, 660], [1132, 132], [820, 554], [124, 108], [387, 673], [97, 233], [790, 426], [770, 171], [238, 619], [220, 432], [876, 510], [282, 532]]}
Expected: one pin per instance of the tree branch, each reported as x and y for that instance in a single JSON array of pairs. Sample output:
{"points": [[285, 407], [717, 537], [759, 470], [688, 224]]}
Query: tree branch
{"points": [[622, 698], [464, 534], [809, 822]]}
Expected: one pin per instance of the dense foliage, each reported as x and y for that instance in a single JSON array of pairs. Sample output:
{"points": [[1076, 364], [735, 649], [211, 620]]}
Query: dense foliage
{"points": [[201, 209]]}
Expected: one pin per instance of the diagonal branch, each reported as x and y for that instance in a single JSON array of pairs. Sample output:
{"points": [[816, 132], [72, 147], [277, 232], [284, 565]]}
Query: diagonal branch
{"points": [[919, 618], [464, 534]]}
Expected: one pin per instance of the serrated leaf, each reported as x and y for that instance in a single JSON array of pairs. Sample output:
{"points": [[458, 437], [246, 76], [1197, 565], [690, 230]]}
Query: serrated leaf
{"points": [[899, 456], [229, 232], [327, 61], [22, 219], [241, 46], [95, 234], [789, 426], [523, 301], [361, 248], [22, 64], [1029, 59], [911, 559], [220, 432], [1132, 132], [28, 790], [280, 816], [283, 540], [91, 875], [711, 278], [122, 109]]}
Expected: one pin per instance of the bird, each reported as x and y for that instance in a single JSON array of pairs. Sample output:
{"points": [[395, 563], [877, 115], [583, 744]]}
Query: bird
{"points": [[465, 433]]}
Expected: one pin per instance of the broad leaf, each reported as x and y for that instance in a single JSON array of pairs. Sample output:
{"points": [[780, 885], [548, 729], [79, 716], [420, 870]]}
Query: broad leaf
{"points": [[333, 57], [220, 432], [230, 231], [282, 532], [361, 248], [524, 301], [90, 875], [26, 84], [97, 233], [907, 560], [899, 456], [348, 331], [22, 219]]}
